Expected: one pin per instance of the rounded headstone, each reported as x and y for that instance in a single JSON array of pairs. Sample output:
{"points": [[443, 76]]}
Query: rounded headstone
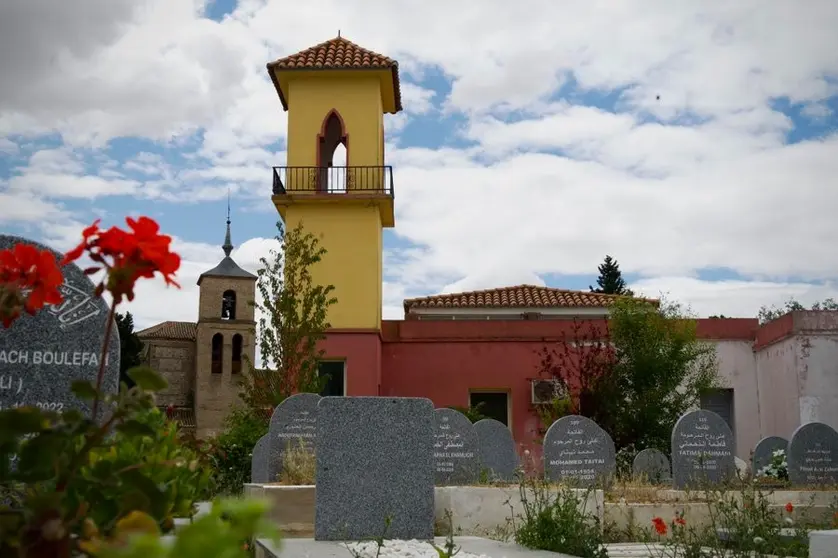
{"points": [[764, 452], [294, 421], [813, 455], [497, 449], [653, 465], [455, 448], [259, 459], [577, 450], [42, 355], [702, 450]]}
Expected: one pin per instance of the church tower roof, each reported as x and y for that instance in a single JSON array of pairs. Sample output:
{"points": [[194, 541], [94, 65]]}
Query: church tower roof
{"points": [[227, 267]]}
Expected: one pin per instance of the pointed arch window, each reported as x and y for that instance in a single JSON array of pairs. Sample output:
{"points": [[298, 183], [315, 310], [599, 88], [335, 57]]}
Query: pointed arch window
{"points": [[217, 353], [228, 305], [331, 160], [237, 353]]}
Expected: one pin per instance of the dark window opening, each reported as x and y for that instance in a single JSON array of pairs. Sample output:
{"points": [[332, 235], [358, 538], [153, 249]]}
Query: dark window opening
{"points": [[228, 305], [237, 353], [491, 405], [217, 353], [333, 135], [333, 372], [719, 401]]}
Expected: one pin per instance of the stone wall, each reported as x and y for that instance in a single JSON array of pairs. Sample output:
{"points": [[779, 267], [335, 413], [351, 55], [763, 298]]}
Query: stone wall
{"points": [[175, 361]]}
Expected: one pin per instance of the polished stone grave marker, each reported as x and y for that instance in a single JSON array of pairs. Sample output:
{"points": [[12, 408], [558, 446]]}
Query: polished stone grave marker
{"points": [[497, 455], [652, 464], [764, 451], [455, 448], [579, 452], [293, 424], [702, 450], [813, 455], [259, 460], [42, 355], [374, 462]]}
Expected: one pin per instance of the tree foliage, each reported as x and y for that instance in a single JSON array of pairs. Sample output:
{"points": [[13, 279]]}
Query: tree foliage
{"points": [[130, 346], [610, 280], [767, 314], [636, 374], [293, 321]]}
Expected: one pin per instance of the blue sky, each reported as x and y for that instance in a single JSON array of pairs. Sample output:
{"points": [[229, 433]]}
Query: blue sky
{"points": [[504, 173]]}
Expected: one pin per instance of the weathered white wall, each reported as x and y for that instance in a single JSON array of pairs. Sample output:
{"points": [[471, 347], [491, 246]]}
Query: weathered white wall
{"points": [[737, 370], [779, 406]]}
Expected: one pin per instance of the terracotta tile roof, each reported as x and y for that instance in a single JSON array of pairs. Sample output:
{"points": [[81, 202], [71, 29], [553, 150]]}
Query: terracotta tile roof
{"points": [[521, 296], [337, 54], [170, 330], [184, 415]]}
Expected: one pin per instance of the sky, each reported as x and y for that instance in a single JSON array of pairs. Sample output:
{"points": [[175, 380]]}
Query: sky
{"points": [[695, 142]]}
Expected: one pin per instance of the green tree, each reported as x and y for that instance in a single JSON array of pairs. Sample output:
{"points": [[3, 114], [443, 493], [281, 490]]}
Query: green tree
{"points": [[130, 346], [293, 321], [767, 314], [610, 279], [637, 374]]}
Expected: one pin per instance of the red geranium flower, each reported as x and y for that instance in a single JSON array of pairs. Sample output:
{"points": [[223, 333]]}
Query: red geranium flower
{"points": [[789, 507], [142, 252], [26, 269], [680, 521], [660, 525]]}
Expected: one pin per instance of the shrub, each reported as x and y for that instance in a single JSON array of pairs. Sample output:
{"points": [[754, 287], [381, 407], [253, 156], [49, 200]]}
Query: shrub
{"points": [[232, 451], [777, 468], [298, 464]]}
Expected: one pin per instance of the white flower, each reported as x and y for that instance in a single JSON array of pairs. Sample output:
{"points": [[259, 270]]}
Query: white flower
{"points": [[758, 540]]}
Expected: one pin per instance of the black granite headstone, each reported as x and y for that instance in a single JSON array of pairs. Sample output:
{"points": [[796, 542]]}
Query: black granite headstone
{"points": [[455, 448], [374, 462], [497, 454], [293, 423], [579, 452], [813, 455], [702, 450], [42, 355], [653, 465], [764, 452]]}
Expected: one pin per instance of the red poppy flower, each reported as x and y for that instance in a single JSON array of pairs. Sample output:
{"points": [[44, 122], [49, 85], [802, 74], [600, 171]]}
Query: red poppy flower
{"points": [[127, 256], [29, 279], [680, 521], [660, 525], [789, 507]]}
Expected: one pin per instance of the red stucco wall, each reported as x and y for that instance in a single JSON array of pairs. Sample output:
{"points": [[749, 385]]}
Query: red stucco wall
{"points": [[445, 360]]}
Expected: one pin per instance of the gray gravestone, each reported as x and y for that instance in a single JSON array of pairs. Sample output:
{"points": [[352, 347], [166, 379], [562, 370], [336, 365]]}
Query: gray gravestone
{"points": [[813, 455], [497, 455], [293, 423], [578, 451], [42, 355], [652, 464], [764, 451], [374, 462], [455, 448], [259, 459], [702, 450]]}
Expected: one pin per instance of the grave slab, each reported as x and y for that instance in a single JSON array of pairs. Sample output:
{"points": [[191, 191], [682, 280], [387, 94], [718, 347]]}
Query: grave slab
{"points": [[764, 451], [653, 464], [813, 455], [496, 453], [374, 461], [259, 461], [455, 448], [702, 450], [578, 451], [294, 421]]}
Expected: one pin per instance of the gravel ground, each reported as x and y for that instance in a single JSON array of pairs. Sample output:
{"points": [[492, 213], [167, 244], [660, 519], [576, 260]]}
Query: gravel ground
{"points": [[402, 549]]}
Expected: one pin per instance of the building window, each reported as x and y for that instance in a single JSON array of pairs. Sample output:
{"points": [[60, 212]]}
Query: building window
{"points": [[237, 353], [719, 401], [334, 371], [217, 353], [228, 305], [491, 404]]}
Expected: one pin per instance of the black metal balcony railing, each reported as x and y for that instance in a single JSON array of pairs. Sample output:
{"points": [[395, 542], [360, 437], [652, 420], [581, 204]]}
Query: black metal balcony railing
{"points": [[333, 180]]}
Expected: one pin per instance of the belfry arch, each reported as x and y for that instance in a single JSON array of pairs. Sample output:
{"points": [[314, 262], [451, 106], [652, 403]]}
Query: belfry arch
{"points": [[332, 135]]}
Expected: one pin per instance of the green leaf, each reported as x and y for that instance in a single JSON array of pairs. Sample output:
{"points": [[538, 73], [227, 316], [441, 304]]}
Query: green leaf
{"points": [[134, 427], [148, 488], [83, 389], [21, 421], [147, 378]]}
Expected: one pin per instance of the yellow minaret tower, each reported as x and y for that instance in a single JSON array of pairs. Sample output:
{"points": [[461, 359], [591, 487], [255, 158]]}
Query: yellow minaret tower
{"points": [[336, 94]]}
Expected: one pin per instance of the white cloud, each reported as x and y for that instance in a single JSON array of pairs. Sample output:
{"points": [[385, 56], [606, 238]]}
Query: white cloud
{"points": [[692, 172]]}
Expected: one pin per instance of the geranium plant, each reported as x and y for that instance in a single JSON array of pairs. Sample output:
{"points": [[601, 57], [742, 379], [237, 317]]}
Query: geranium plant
{"points": [[57, 470]]}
